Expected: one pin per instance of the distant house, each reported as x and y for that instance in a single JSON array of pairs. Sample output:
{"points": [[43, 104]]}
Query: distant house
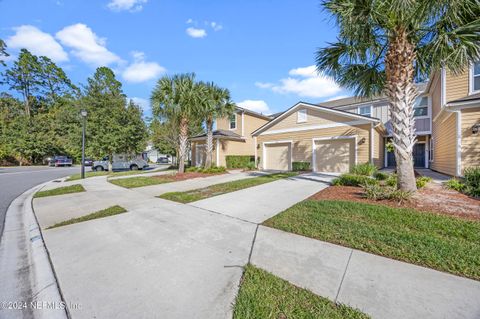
{"points": [[153, 154]]}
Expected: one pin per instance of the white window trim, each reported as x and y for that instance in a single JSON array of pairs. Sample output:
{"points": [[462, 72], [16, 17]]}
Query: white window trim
{"points": [[302, 111], [314, 147], [429, 107], [364, 106], [314, 127], [264, 152], [471, 89], [230, 123]]}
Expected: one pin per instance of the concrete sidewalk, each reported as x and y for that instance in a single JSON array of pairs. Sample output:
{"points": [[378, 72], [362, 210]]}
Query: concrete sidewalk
{"points": [[257, 204], [378, 286]]}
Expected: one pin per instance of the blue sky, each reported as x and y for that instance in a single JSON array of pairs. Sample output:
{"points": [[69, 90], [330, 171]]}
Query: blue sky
{"points": [[261, 50]]}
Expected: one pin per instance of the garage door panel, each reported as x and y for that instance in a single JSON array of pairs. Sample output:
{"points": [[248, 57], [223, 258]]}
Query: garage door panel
{"points": [[334, 156], [278, 156]]}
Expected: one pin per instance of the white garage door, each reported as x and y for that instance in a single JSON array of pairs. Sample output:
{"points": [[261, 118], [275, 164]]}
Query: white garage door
{"points": [[277, 156], [334, 156]]}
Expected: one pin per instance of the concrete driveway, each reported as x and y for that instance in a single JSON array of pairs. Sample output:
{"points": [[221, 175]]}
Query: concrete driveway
{"points": [[257, 204], [164, 260]]}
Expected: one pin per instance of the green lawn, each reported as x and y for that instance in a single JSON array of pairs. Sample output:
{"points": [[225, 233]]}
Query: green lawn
{"points": [[444, 243], [114, 210], [75, 177], [219, 189], [77, 188], [263, 295], [141, 181]]}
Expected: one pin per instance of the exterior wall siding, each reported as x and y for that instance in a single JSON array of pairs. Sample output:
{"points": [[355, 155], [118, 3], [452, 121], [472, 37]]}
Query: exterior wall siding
{"points": [[378, 149], [457, 86], [470, 141], [302, 141], [444, 140]]}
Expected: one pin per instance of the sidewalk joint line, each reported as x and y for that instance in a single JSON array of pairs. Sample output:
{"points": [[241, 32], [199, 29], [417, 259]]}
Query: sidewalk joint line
{"points": [[343, 277], [217, 213], [253, 244]]}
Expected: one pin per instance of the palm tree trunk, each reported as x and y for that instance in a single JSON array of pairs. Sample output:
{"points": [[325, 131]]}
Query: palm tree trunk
{"points": [[183, 137], [208, 160], [402, 93]]}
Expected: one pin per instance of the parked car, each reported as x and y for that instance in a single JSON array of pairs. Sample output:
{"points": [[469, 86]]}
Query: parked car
{"points": [[164, 160], [88, 161], [121, 162], [60, 160]]}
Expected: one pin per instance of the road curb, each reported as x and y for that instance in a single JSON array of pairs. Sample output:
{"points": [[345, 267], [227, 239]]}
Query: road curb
{"points": [[29, 284]]}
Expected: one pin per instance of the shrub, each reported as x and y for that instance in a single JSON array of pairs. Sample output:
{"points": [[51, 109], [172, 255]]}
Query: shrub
{"points": [[377, 192], [239, 161], [472, 181], [381, 176], [455, 184], [353, 180], [211, 170], [366, 169], [422, 181], [251, 166], [300, 166], [391, 180], [192, 169]]}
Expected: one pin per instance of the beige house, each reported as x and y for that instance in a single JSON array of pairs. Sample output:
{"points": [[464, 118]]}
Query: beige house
{"points": [[232, 136], [335, 135]]}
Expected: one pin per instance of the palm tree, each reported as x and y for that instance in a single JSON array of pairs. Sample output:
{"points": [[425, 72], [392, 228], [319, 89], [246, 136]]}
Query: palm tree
{"points": [[177, 99], [383, 45], [216, 104]]}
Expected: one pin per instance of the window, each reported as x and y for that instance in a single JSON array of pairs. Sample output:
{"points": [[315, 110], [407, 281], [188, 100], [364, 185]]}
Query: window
{"points": [[430, 150], [365, 110], [421, 107], [301, 116], [476, 76], [233, 121]]}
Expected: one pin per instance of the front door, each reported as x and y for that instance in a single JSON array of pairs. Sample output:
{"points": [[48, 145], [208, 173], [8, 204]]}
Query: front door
{"points": [[419, 155]]}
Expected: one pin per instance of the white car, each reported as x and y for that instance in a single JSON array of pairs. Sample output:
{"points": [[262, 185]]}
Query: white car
{"points": [[121, 162]]}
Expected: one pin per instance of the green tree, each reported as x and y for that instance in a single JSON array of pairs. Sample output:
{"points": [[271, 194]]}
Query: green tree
{"points": [[3, 52], [134, 130], [383, 45], [216, 103], [23, 77], [54, 83], [177, 99]]}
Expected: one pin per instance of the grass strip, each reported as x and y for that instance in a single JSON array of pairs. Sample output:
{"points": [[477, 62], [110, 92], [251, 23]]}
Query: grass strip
{"points": [[263, 295], [223, 188], [141, 181], [75, 177], [77, 188], [436, 241], [114, 210]]}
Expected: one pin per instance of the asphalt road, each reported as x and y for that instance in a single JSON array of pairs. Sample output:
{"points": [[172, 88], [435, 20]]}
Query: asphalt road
{"points": [[16, 180]]}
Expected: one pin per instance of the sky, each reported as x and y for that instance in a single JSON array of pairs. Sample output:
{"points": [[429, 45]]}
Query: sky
{"points": [[263, 51]]}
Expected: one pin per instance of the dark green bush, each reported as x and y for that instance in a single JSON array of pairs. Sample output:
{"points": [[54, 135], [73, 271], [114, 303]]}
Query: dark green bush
{"points": [[251, 166], [391, 180], [422, 181], [212, 170], [381, 176], [353, 180], [365, 169], [300, 166], [239, 161], [472, 181]]}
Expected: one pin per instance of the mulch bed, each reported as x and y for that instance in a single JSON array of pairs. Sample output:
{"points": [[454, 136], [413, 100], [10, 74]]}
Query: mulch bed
{"points": [[433, 198], [184, 176]]}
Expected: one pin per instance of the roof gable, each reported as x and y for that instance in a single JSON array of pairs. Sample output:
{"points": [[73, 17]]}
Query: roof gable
{"points": [[331, 115]]}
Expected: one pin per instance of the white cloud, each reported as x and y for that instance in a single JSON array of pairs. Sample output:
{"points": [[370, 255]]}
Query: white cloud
{"points": [[140, 70], [189, 21], [123, 5], [304, 82], [86, 45], [259, 106], [196, 33], [37, 42], [216, 26]]}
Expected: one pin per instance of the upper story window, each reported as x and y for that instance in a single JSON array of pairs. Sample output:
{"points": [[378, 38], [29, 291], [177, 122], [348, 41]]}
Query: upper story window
{"points": [[365, 110], [233, 121], [421, 106], [476, 77], [302, 116]]}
